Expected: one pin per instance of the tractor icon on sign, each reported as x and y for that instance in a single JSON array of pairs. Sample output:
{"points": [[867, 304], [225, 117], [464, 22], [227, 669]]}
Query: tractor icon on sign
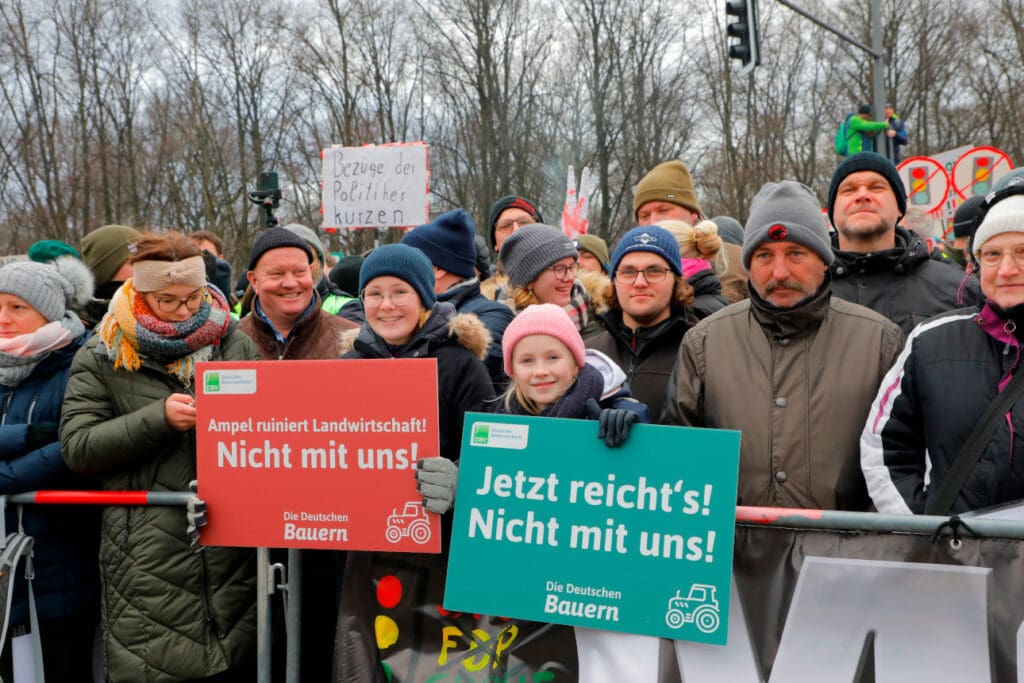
{"points": [[411, 522], [699, 607]]}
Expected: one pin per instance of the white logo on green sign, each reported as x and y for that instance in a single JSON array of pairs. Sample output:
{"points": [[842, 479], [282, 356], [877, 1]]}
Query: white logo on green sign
{"points": [[499, 435], [212, 383]]}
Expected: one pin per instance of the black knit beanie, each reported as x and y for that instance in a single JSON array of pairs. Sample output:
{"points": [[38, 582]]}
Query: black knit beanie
{"points": [[511, 202], [867, 161], [275, 238]]}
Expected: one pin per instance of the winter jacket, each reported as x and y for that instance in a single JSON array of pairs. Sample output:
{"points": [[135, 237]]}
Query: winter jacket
{"points": [[952, 368], [168, 613], [861, 134], [893, 144], [466, 298], [707, 294], [904, 283], [459, 343], [798, 383], [317, 336], [647, 355], [66, 583]]}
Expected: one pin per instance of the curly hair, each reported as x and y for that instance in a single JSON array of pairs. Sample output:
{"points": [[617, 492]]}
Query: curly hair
{"points": [[699, 241]]}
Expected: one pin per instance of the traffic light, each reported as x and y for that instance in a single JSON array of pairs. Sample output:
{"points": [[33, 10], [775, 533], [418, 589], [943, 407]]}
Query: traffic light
{"points": [[744, 27]]}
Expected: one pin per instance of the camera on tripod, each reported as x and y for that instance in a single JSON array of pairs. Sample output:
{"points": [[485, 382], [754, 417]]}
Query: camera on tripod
{"points": [[267, 194]]}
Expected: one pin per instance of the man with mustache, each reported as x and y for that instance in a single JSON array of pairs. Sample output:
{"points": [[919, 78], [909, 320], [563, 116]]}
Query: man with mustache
{"points": [[880, 264], [793, 367]]}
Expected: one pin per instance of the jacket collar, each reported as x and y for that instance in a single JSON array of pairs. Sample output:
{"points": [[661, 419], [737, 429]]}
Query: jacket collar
{"points": [[672, 327], [785, 323], [433, 334], [910, 252], [314, 305]]}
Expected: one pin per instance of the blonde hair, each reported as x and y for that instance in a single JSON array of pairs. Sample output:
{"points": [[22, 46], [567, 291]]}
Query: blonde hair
{"points": [[699, 241], [514, 393]]}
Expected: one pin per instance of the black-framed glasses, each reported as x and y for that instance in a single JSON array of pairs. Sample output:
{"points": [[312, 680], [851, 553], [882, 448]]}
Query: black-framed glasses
{"points": [[170, 304], [562, 271], [627, 276]]}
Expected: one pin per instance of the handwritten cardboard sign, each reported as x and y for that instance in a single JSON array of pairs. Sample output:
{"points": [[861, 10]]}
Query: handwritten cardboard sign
{"points": [[635, 539], [317, 454], [375, 186]]}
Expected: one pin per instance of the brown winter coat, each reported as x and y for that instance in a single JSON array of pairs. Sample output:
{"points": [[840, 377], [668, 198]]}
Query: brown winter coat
{"points": [[316, 337], [798, 383]]}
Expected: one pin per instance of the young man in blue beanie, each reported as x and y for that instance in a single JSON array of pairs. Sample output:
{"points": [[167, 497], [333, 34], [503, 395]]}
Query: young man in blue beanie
{"points": [[878, 263], [448, 241], [793, 367]]}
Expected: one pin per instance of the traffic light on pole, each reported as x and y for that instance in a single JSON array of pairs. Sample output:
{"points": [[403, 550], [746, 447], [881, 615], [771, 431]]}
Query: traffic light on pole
{"points": [[741, 18]]}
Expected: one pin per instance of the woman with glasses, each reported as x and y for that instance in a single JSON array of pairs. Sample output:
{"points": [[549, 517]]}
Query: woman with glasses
{"points": [[168, 612], [405, 320], [542, 265]]}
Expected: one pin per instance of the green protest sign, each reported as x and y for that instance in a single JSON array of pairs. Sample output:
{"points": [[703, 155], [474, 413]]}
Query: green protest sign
{"points": [[636, 539]]}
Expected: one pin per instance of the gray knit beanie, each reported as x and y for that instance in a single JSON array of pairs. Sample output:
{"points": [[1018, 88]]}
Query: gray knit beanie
{"points": [[531, 249], [310, 237], [50, 288], [786, 212]]}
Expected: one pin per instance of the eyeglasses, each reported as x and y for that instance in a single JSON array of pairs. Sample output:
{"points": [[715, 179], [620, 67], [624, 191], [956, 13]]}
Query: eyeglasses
{"points": [[507, 224], [399, 297], [563, 271], [170, 304], [994, 257], [627, 276]]}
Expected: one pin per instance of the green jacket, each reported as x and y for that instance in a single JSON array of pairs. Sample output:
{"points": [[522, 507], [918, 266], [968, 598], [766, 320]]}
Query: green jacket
{"points": [[856, 142], [168, 613]]}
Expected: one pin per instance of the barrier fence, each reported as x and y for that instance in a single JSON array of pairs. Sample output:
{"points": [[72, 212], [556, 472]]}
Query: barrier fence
{"points": [[817, 596]]}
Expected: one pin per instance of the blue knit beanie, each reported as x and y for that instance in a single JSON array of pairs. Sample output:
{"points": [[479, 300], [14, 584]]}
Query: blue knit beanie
{"points": [[404, 262], [649, 238], [448, 242]]}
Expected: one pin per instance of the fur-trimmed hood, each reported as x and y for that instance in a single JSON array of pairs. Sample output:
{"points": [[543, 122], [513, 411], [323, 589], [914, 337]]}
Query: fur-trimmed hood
{"points": [[444, 326]]}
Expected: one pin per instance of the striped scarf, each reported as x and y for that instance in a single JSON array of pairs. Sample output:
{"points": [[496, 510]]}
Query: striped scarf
{"points": [[130, 329]]}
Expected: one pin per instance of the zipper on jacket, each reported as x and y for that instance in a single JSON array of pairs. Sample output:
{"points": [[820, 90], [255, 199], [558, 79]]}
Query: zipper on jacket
{"points": [[7, 405], [211, 616], [31, 408]]}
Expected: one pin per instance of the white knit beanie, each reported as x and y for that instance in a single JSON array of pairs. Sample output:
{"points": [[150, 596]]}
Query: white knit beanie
{"points": [[1006, 215]]}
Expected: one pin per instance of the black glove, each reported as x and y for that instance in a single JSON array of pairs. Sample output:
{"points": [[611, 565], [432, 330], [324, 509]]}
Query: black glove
{"points": [[195, 513], [614, 423], [42, 434], [435, 480]]}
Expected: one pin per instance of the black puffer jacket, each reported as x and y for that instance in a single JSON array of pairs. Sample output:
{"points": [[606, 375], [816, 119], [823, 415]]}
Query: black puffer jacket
{"points": [[904, 284], [707, 294], [951, 368]]}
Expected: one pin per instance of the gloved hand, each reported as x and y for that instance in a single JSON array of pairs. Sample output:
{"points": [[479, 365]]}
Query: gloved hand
{"points": [[435, 480], [614, 423], [195, 511], [39, 435]]}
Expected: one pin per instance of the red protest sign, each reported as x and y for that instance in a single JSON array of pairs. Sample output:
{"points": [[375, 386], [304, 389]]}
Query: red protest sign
{"points": [[316, 454]]}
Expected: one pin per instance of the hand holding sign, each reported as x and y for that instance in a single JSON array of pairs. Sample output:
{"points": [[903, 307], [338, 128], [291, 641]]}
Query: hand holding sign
{"points": [[574, 213]]}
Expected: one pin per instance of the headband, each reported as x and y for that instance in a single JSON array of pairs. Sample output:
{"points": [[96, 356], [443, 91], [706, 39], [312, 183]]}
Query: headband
{"points": [[152, 276]]}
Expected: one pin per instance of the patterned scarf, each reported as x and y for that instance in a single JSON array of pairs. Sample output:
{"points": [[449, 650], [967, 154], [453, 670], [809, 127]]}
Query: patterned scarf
{"points": [[20, 355], [130, 329]]}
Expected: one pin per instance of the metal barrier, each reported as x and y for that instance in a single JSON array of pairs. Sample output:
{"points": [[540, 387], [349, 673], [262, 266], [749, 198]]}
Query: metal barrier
{"points": [[270, 578], [285, 579]]}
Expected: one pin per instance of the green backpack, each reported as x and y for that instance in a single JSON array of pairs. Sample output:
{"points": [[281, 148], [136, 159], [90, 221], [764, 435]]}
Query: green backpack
{"points": [[843, 136]]}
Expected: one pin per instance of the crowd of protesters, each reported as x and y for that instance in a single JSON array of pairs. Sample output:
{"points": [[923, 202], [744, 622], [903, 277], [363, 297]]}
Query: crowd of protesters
{"points": [[854, 363]]}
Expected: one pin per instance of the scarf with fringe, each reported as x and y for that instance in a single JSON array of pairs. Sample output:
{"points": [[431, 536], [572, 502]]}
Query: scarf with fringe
{"points": [[20, 355], [130, 329]]}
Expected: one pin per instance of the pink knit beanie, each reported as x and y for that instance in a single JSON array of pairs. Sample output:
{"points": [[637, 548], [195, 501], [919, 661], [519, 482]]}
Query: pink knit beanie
{"points": [[546, 319]]}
